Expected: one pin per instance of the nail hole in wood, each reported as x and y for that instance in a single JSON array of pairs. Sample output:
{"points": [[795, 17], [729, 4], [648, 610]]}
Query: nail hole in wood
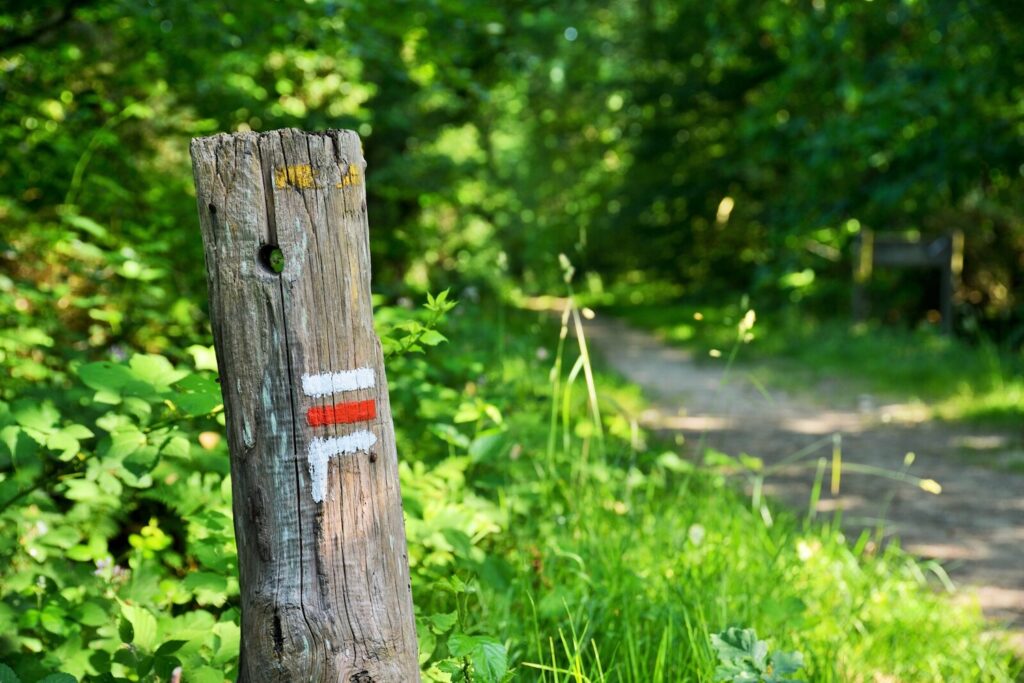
{"points": [[373, 456], [213, 210], [271, 258]]}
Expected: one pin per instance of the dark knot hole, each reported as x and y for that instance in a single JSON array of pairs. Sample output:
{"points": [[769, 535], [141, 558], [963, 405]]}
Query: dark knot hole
{"points": [[271, 258]]}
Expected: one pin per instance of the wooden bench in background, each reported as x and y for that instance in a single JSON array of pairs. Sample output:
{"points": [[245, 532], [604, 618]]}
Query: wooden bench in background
{"points": [[899, 250]]}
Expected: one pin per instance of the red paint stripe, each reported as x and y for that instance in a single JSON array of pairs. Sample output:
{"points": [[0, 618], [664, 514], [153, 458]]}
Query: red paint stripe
{"points": [[341, 413]]}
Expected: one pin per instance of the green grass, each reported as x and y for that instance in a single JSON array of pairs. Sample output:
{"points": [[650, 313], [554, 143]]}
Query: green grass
{"points": [[619, 559], [956, 380], [546, 532]]}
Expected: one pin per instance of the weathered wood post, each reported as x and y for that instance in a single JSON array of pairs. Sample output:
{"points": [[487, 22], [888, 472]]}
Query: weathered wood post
{"points": [[318, 517]]}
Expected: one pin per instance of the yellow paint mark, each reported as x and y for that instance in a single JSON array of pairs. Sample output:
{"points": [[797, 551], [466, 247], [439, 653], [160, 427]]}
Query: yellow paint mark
{"points": [[301, 176], [353, 176]]}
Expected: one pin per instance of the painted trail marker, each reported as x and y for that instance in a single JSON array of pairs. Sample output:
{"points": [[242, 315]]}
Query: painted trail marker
{"points": [[318, 519]]}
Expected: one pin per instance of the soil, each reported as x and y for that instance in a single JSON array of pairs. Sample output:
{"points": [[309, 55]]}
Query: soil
{"points": [[974, 528]]}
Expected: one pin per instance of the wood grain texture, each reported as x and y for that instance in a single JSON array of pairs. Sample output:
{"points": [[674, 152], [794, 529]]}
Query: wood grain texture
{"points": [[325, 586]]}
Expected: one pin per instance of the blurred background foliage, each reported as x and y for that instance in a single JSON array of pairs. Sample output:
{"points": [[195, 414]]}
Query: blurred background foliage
{"points": [[670, 149], [730, 148]]}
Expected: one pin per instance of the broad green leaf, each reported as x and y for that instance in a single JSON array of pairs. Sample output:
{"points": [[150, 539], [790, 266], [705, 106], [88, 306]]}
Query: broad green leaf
{"points": [[228, 635], [63, 442], [125, 442], [170, 647], [126, 631], [461, 645], [176, 447], [59, 678], [142, 461], [204, 357], [7, 674], [111, 381], [787, 662], [156, 370], [432, 338], [205, 674], [19, 446], [490, 660], [143, 623], [91, 613], [442, 623], [82, 490], [197, 395], [38, 415], [209, 588]]}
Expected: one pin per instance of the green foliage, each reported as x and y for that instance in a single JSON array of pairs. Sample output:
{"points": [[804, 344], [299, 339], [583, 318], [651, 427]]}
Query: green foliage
{"points": [[745, 659], [496, 135]]}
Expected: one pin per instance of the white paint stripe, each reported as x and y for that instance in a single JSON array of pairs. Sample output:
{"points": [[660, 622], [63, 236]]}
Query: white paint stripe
{"points": [[327, 383], [321, 450]]}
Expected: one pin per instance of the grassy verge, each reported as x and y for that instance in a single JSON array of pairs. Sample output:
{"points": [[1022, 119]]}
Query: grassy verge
{"points": [[954, 379], [549, 540], [618, 561]]}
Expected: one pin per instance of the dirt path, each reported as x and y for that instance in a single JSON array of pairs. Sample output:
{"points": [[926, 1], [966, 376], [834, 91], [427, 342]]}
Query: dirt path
{"points": [[975, 527]]}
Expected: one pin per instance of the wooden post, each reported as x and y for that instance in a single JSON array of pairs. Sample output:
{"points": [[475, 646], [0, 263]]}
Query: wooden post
{"points": [[863, 262], [318, 518], [951, 270]]}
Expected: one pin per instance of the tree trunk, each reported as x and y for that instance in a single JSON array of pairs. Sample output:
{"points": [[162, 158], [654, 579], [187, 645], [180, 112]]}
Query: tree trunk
{"points": [[318, 519]]}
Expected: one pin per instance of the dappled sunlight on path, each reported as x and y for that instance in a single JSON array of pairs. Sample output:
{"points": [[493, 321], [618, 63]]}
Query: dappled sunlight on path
{"points": [[974, 528]]}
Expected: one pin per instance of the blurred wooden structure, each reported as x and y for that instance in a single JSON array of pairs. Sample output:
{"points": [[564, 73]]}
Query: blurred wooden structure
{"points": [[944, 253]]}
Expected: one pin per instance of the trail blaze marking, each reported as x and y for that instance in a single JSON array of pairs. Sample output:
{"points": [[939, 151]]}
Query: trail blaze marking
{"points": [[335, 382], [353, 176], [322, 449], [342, 413], [301, 176]]}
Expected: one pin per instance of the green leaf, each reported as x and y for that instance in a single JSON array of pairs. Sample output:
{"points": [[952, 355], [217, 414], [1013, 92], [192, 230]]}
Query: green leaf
{"points": [[197, 395], [432, 338], [59, 678], [206, 674], [209, 588], [787, 662], [673, 463], [65, 443], [110, 381], [170, 647], [734, 644], [91, 614], [156, 370], [143, 624], [125, 631], [442, 623], [7, 674], [142, 461], [85, 224], [461, 645], [204, 357], [229, 635], [38, 415], [125, 442], [427, 640], [452, 583], [488, 446], [490, 660]]}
